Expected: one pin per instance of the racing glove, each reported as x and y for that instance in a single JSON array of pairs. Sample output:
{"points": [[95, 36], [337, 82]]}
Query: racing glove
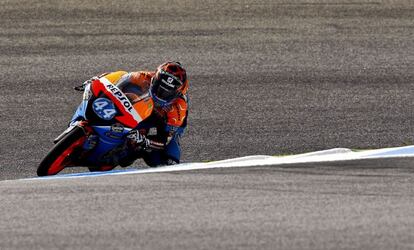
{"points": [[137, 141]]}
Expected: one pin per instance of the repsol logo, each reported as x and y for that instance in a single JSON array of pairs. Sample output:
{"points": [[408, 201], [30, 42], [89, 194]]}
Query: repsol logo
{"points": [[120, 96]]}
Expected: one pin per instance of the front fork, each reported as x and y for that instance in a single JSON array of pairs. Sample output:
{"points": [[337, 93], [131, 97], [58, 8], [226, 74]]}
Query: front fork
{"points": [[73, 125], [90, 142]]}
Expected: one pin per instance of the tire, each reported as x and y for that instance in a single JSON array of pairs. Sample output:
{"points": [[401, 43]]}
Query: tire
{"points": [[100, 168], [57, 159]]}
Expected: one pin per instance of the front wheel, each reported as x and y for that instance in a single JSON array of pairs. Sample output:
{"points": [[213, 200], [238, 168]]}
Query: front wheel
{"points": [[58, 157]]}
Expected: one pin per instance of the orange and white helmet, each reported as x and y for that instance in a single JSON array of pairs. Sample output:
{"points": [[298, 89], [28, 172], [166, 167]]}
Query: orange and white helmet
{"points": [[169, 82]]}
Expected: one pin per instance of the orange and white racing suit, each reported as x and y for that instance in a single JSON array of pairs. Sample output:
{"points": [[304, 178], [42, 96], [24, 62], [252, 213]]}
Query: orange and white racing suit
{"points": [[163, 127]]}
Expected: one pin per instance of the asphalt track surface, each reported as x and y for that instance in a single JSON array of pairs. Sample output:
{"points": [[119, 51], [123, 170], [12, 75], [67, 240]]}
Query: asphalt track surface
{"points": [[359, 205], [267, 77]]}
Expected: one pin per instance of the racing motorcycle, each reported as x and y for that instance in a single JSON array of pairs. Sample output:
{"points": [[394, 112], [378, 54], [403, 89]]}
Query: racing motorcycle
{"points": [[96, 136]]}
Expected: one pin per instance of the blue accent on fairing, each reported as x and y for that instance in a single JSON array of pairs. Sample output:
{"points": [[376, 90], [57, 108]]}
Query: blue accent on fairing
{"points": [[105, 132], [80, 113], [107, 140], [90, 143]]}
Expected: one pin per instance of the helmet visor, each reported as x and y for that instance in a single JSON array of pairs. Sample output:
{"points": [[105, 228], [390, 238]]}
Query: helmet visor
{"points": [[165, 86]]}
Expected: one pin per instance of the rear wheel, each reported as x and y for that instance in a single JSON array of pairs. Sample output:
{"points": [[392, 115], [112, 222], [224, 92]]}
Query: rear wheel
{"points": [[59, 156]]}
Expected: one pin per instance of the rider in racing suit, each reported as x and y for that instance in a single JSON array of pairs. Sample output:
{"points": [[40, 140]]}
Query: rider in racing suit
{"points": [[156, 139]]}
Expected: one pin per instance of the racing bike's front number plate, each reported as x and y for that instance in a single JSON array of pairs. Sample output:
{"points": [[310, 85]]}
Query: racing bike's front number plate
{"points": [[104, 108]]}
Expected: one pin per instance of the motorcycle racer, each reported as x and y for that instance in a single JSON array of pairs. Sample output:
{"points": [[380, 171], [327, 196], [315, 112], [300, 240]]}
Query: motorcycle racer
{"points": [[156, 138]]}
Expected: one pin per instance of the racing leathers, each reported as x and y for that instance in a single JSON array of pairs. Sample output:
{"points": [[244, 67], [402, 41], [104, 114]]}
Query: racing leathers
{"points": [[156, 138]]}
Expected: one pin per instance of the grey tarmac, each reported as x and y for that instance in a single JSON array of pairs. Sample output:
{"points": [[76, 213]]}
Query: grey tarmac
{"points": [[267, 77], [348, 205]]}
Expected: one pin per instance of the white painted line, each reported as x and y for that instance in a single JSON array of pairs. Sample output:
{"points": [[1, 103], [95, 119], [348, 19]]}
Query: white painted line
{"points": [[336, 154]]}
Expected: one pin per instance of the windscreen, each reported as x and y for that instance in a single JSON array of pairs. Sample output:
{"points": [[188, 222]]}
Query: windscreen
{"points": [[132, 91]]}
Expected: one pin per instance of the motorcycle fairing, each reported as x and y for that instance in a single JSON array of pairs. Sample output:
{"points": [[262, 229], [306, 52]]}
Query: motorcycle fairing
{"points": [[110, 144], [129, 116], [80, 113]]}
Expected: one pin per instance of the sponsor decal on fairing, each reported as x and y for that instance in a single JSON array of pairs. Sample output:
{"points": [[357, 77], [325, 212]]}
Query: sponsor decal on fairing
{"points": [[120, 96]]}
